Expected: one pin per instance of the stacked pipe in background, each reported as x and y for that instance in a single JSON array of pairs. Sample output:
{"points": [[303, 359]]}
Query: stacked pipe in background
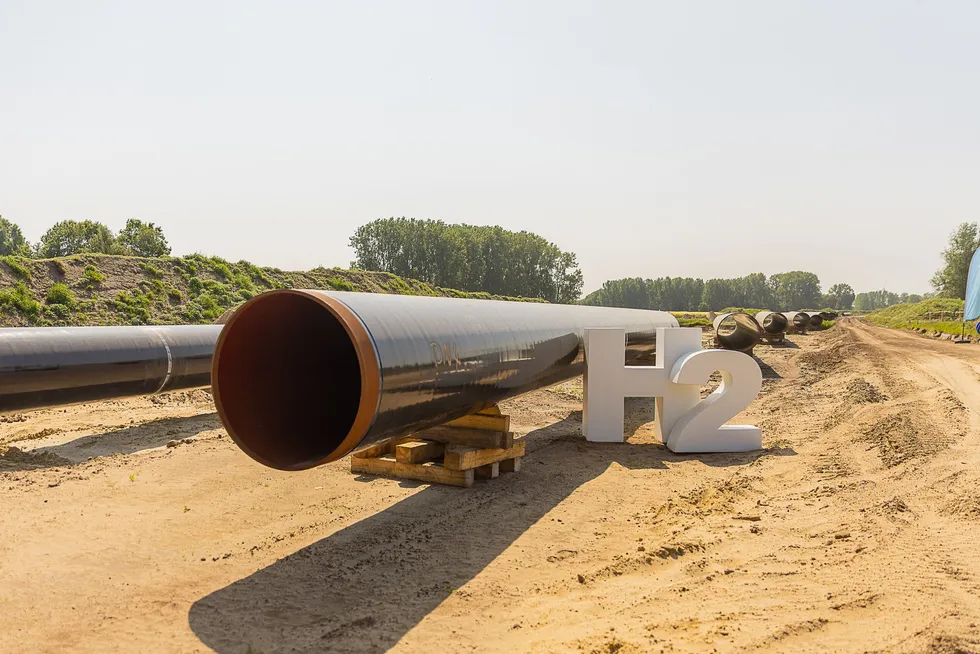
{"points": [[737, 331]]}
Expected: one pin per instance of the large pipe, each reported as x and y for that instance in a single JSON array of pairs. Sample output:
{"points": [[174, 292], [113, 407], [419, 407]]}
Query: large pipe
{"points": [[799, 321], [773, 322], [302, 378], [51, 366], [816, 320], [737, 331]]}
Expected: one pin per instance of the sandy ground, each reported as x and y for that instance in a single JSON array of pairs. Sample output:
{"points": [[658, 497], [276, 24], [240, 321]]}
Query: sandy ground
{"points": [[857, 529]]}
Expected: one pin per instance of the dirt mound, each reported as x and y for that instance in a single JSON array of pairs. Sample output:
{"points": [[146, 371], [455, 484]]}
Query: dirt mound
{"points": [[862, 391], [904, 436], [15, 457]]}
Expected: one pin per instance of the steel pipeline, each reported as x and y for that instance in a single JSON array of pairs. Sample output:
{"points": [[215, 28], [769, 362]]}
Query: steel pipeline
{"points": [[302, 378], [51, 366], [798, 321], [737, 331], [772, 322]]}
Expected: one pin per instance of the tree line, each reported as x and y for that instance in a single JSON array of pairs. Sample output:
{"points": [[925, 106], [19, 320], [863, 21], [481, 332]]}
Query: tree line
{"points": [[791, 290], [68, 237], [468, 258]]}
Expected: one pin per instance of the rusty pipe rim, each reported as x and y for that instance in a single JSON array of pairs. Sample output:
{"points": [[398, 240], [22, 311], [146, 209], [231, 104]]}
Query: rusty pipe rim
{"points": [[368, 364]]}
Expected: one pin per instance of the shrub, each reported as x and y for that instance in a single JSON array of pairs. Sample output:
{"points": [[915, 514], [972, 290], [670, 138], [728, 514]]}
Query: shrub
{"points": [[194, 286], [220, 268], [255, 273], [150, 269], [91, 276], [59, 311], [19, 298], [135, 306], [203, 309], [174, 295], [60, 294], [340, 284], [243, 281]]}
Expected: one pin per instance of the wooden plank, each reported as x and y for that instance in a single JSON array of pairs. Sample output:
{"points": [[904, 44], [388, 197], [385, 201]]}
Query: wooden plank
{"points": [[469, 437], [490, 411], [418, 451], [511, 465], [482, 421], [488, 472], [434, 473], [381, 449], [465, 458]]}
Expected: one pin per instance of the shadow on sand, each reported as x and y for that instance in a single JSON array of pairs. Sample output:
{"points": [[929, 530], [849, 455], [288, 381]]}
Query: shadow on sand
{"points": [[364, 587], [128, 440]]}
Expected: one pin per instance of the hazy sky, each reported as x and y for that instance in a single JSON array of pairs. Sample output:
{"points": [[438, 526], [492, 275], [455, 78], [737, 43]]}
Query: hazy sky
{"points": [[705, 139]]}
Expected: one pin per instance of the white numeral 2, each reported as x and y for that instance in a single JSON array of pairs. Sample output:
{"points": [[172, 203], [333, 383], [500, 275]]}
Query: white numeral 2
{"points": [[703, 428]]}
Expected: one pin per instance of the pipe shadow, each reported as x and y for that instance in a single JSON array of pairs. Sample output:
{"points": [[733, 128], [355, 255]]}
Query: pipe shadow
{"points": [[786, 344], [128, 440], [767, 371], [363, 588]]}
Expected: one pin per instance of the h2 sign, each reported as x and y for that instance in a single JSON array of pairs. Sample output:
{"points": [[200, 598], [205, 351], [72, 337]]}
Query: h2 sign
{"points": [[684, 422]]}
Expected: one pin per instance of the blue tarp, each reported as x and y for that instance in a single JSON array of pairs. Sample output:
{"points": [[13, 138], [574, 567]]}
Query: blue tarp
{"points": [[972, 310]]}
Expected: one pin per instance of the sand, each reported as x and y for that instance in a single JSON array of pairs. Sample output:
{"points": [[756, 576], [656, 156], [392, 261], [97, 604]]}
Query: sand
{"points": [[137, 525]]}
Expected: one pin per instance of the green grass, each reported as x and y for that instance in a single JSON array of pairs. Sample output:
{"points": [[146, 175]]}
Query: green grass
{"points": [[340, 284], [17, 267], [913, 316], [691, 318]]}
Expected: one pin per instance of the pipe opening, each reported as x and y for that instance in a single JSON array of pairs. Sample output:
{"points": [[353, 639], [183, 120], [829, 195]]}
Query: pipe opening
{"points": [[737, 331], [800, 321], [287, 380], [816, 320], [774, 323]]}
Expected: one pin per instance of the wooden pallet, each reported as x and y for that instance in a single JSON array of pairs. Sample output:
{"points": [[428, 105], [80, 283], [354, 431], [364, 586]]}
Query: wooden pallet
{"points": [[479, 445]]}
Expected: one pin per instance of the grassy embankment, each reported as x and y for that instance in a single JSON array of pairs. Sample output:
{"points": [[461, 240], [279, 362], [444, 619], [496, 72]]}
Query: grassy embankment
{"points": [[109, 290], [913, 316]]}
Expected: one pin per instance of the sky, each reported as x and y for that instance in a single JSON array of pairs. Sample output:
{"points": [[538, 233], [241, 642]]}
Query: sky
{"points": [[702, 139]]}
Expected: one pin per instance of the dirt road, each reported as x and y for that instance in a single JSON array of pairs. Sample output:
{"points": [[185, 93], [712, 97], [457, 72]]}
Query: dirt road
{"points": [[857, 529]]}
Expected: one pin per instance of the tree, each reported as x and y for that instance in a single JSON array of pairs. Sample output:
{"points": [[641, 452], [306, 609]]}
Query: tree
{"points": [[12, 240], [468, 257], [143, 239], [950, 280], [840, 296], [74, 237], [796, 290], [874, 300]]}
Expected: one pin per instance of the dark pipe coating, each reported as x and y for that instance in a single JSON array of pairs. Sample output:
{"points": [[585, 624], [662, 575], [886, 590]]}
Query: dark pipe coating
{"points": [[52, 366], [301, 378]]}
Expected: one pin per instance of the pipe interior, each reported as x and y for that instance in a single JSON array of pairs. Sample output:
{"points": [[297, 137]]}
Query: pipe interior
{"points": [[775, 323], [816, 320], [801, 321], [738, 331], [288, 380]]}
